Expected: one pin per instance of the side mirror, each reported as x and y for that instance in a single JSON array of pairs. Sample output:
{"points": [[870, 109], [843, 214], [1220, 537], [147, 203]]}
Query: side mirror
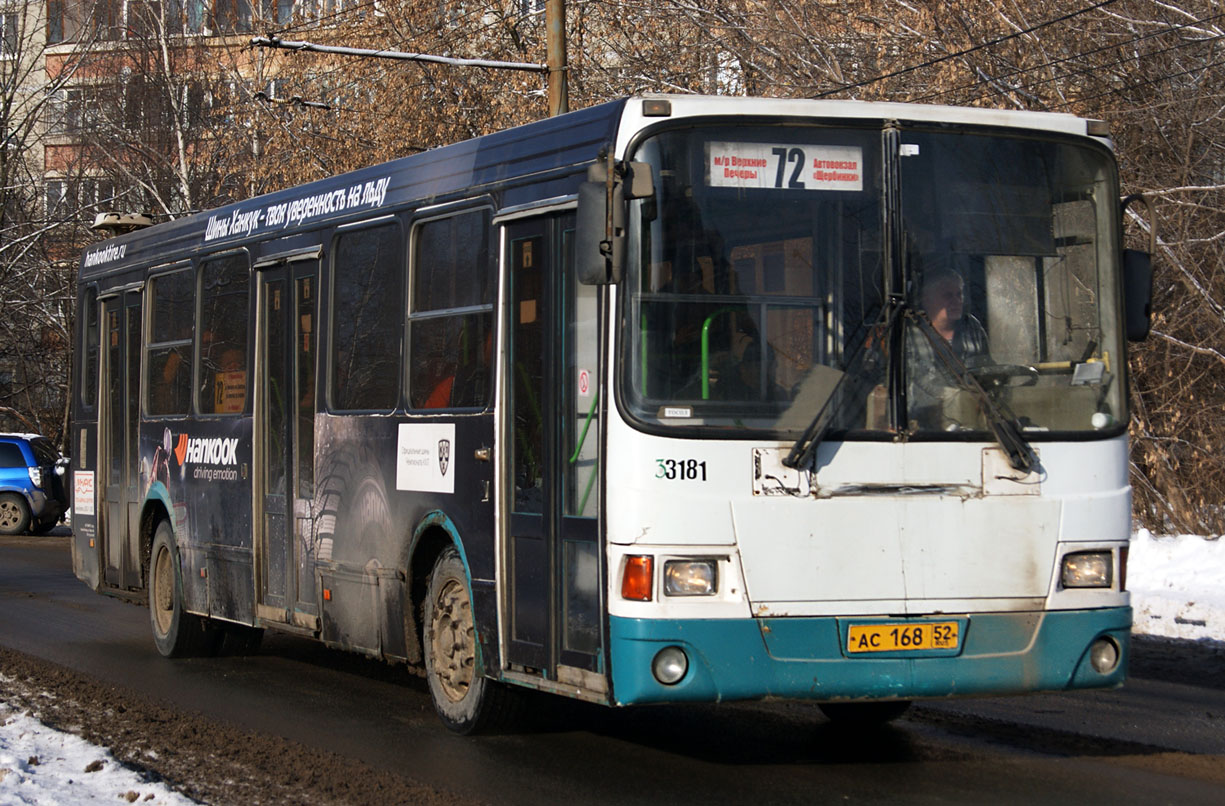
{"points": [[1138, 275], [1137, 293], [600, 226]]}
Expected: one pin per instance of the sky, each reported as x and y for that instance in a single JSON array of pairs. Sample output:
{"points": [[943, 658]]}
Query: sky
{"points": [[1177, 590]]}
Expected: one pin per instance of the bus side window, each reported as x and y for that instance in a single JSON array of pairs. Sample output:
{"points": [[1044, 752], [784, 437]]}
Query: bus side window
{"points": [[367, 306], [168, 362], [451, 319], [224, 296]]}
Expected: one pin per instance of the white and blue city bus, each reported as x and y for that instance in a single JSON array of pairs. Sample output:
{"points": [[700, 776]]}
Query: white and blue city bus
{"points": [[670, 399]]}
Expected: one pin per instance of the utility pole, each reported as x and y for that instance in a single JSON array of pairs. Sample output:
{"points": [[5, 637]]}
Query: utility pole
{"points": [[555, 23]]}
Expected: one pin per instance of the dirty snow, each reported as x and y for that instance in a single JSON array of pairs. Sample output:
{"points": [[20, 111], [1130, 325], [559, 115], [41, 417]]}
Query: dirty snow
{"points": [[44, 767]]}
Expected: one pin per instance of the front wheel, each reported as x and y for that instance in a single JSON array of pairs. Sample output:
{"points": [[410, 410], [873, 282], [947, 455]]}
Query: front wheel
{"points": [[466, 700], [177, 633], [14, 514]]}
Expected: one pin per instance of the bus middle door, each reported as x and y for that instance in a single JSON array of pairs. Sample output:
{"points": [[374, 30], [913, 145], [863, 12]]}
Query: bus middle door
{"points": [[285, 423]]}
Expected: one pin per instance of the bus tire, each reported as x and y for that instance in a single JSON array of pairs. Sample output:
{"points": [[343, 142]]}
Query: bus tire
{"points": [[863, 714], [14, 514], [467, 702], [177, 633]]}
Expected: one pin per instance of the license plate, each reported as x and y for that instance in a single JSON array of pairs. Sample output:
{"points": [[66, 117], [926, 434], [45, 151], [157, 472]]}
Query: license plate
{"points": [[902, 637]]}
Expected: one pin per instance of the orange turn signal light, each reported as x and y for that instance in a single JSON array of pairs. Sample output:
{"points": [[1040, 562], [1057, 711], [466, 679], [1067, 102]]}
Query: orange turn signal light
{"points": [[637, 579], [327, 594]]}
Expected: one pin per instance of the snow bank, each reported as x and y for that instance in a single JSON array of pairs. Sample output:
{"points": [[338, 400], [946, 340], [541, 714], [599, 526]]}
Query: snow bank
{"points": [[1177, 585], [44, 767]]}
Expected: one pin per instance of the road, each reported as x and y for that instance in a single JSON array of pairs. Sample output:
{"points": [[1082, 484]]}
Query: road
{"points": [[1160, 739]]}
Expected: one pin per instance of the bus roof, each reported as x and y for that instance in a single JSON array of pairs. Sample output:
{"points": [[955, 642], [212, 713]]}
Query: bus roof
{"points": [[468, 167]]}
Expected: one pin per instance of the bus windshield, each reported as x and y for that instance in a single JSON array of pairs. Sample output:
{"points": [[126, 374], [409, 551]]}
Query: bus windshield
{"points": [[757, 282]]}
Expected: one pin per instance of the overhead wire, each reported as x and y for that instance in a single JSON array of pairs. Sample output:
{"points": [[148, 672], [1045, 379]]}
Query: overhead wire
{"points": [[967, 51], [1081, 55]]}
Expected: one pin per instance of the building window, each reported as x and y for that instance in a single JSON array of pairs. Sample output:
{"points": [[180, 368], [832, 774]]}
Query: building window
{"points": [[57, 197], [9, 43], [72, 110]]}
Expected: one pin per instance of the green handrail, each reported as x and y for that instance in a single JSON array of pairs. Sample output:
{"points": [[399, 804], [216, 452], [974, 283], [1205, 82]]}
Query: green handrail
{"points": [[586, 425], [578, 449], [706, 348]]}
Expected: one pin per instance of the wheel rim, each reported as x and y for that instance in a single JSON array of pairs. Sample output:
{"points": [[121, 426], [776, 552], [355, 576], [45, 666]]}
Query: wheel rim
{"points": [[453, 644], [10, 515], [163, 591]]}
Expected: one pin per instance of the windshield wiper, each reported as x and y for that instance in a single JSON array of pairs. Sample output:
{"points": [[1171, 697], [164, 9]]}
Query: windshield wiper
{"points": [[853, 385], [1003, 422], [860, 372]]}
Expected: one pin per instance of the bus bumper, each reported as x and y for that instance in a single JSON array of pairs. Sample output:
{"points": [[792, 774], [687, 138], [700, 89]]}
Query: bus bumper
{"points": [[805, 658]]}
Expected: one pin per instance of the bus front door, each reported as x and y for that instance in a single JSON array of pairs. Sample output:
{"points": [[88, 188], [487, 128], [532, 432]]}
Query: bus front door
{"points": [[285, 418], [552, 556], [119, 457]]}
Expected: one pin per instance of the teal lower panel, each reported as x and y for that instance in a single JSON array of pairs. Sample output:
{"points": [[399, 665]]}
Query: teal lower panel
{"points": [[803, 658]]}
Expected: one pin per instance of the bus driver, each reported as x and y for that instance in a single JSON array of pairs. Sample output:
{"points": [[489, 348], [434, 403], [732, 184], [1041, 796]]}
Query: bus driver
{"points": [[942, 298]]}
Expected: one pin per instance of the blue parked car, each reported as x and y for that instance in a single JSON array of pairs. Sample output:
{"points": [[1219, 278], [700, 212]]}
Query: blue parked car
{"points": [[32, 493]]}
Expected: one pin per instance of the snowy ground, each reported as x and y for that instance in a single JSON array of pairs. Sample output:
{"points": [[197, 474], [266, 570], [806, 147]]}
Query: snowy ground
{"points": [[44, 767], [1177, 586]]}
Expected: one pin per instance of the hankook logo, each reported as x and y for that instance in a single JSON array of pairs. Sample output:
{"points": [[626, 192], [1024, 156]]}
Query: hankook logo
{"points": [[213, 451]]}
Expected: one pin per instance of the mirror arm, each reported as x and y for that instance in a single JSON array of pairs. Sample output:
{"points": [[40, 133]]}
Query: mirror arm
{"points": [[1150, 214]]}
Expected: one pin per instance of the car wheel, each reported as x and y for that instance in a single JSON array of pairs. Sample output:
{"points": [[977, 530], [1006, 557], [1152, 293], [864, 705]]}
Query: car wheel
{"points": [[14, 514], [177, 633], [466, 700]]}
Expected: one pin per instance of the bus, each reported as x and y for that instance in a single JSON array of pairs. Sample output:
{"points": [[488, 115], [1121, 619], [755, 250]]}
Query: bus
{"points": [[671, 399]]}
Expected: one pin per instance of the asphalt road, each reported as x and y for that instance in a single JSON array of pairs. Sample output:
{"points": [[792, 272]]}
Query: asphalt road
{"points": [[1160, 739]]}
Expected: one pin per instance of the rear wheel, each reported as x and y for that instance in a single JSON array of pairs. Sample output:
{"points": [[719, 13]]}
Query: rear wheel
{"points": [[177, 633], [466, 700], [14, 514], [864, 714]]}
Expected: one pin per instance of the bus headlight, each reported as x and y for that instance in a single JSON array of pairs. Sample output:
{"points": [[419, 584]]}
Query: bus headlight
{"points": [[691, 577], [1087, 569]]}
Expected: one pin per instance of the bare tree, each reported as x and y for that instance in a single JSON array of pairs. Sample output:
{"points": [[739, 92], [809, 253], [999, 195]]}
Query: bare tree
{"points": [[35, 278]]}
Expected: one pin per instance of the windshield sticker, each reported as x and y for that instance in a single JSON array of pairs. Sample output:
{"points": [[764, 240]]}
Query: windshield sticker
{"points": [[242, 222], [787, 167]]}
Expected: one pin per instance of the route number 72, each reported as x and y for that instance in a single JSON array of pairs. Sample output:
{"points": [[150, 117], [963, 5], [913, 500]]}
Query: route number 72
{"points": [[796, 157]]}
